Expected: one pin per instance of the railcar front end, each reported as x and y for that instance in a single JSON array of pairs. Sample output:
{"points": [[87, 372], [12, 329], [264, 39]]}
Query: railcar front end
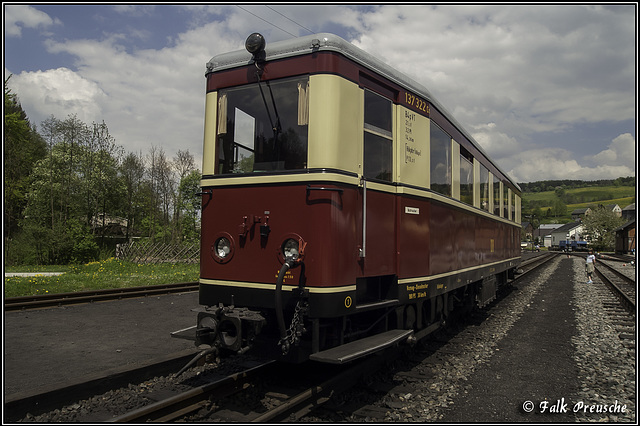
{"points": [[343, 208]]}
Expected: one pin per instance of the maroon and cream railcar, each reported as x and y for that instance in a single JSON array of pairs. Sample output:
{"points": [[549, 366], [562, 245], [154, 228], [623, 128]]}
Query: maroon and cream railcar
{"points": [[344, 209]]}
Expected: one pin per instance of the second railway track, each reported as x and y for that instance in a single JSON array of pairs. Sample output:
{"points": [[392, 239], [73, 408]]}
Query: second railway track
{"points": [[59, 299]]}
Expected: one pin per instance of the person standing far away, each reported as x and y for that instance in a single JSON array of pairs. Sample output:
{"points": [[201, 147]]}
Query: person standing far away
{"points": [[590, 265]]}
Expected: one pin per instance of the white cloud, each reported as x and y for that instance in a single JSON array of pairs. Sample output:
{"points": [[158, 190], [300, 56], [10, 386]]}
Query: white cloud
{"points": [[146, 97], [494, 142], [621, 152], [18, 16], [58, 92], [505, 72], [545, 63], [542, 164], [618, 160]]}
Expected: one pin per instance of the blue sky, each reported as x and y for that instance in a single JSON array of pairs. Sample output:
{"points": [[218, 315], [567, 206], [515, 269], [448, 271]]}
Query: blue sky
{"points": [[549, 91]]}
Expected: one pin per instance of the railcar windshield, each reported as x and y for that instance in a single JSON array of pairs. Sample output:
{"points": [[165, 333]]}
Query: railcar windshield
{"points": [[263, 127]]}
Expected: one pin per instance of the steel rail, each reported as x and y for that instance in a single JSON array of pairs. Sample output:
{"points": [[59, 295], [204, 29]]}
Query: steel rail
{"points": [[625, 299], [191, 400], [59, 299]]}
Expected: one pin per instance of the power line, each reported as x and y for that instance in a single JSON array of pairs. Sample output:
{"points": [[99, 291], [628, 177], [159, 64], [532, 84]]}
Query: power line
{"points": [[301, 26], [262, 19]]}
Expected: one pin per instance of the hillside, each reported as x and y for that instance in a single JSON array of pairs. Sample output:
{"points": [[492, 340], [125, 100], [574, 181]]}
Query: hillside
{"points": [[555, 203]]}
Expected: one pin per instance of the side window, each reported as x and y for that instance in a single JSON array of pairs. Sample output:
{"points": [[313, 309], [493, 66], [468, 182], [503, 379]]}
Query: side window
{"points": [[466, 176], [484, 188], [505, 201], [440, 160], [496, 196], [378, 137]]}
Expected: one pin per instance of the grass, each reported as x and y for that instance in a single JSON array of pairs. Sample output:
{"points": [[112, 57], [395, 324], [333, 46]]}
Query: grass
{"points": [[583, 197], [589, 195], [110, 273]]}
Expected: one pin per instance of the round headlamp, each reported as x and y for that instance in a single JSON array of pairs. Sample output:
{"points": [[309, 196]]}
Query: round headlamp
{"points": [[223, 247], [255, 43], [291, 249]]}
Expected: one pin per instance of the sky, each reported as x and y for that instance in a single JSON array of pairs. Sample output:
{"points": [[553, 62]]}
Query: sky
{"points": [[549, 91]]}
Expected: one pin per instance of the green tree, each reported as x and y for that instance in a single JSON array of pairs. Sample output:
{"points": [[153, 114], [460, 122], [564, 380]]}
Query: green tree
{"points": [[190, 204], [23, 147], [132, 173], [599, 225]]}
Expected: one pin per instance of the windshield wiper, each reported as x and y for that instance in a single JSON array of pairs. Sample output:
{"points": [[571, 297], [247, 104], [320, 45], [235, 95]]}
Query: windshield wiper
{"points": [[277, 127]]}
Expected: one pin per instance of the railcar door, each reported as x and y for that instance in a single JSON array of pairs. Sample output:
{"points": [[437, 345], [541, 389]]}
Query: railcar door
{"points": [[378, 194]]}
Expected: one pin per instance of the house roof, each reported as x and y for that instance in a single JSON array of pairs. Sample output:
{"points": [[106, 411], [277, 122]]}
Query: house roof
{"points": [[630, 207], [630, 224], [581, 210], [568, 227]]}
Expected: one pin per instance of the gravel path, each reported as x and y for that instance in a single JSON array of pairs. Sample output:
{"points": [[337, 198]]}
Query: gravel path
{"points": [[47, 347], [546, 353]]}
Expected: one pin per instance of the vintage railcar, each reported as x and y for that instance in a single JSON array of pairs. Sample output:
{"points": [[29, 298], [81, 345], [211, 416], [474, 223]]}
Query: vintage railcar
{"points": [[344, 209]]}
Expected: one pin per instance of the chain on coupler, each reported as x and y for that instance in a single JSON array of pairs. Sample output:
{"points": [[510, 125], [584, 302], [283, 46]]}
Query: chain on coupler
{"points": [[296, 329]]}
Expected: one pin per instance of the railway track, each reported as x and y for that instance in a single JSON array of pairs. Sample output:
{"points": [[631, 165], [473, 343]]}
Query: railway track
{"points": [[619, 302], [259, 393], [268, 392], [60, 299], [620, 283], [16, 407], [272, 400]]}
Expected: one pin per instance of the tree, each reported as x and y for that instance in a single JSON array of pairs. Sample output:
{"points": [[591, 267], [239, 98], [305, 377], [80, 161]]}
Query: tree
{"points": [[23, 147], [132, 173], [190, 204], [184, 166], [599, 225]]}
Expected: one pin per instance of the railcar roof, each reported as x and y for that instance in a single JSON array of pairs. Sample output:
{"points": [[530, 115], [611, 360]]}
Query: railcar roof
{"points": [[331, 42]]}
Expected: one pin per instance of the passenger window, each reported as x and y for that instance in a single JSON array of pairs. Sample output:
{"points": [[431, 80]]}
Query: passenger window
{"points": [[440, 160], [466, 176], [484, 188], [378, 137], [496, 196], [505, 201]]}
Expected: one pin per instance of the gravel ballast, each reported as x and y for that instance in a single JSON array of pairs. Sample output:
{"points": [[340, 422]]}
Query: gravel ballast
{"points": [[547, 352]]}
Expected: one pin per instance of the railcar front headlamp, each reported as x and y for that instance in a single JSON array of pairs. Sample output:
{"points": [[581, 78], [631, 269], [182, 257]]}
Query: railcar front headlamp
{"points": [[222, 249], [291, 249]]}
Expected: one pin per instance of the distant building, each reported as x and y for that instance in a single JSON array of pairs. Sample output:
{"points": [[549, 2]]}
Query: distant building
{"points": [[543, 233], [626, 237], [629, 212], [614, 208], [580, 213], [571, 231]]}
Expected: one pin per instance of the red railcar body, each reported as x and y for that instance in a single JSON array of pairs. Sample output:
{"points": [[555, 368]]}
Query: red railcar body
{"points": [[375, 254]]}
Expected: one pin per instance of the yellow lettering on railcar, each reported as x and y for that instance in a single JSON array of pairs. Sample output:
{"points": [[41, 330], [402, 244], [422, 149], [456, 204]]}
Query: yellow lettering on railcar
{"points": [[287, 276], [417, 103]]}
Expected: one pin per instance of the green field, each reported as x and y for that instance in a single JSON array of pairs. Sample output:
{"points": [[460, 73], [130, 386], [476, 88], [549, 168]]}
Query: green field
{"points": [[577, 198], [594, 195], [110, 273]]}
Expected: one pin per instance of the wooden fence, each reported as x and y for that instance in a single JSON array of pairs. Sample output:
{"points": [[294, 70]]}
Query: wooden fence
{"points": [[148, 252]]}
